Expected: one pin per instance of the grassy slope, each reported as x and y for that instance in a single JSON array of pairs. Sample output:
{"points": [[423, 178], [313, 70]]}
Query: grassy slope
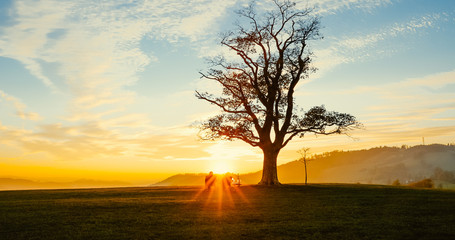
{"points": [[248, 212]]}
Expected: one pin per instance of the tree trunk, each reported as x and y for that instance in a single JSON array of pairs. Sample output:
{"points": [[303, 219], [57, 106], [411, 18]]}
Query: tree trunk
{"points": [[269, 170], [306, 174]]}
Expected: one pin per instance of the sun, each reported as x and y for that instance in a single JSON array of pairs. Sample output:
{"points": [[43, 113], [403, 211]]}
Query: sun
{"points": [[220, 167]]}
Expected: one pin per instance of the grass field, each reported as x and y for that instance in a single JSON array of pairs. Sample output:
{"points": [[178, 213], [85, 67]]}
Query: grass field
{"points": [[329, 211]]}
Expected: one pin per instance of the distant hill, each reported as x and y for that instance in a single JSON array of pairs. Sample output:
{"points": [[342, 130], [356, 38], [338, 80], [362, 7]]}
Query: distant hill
{"points": [[189, 179], [381, 165], [13, 184]]}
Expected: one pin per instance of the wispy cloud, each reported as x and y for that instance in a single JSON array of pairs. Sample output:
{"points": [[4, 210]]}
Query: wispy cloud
{"points": [[397, 29], [97, 45], [25, 40], [364, 46], [405, 110], [333, 6], [425, 83], [97, 52], [19, 107], [95, 49]]}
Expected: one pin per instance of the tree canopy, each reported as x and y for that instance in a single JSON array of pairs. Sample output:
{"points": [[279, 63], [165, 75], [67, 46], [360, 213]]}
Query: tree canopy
{"points": [[257, 98]]}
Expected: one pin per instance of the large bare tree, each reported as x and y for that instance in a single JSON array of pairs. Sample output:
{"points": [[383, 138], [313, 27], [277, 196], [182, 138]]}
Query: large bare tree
{"points": [[257, 99]]}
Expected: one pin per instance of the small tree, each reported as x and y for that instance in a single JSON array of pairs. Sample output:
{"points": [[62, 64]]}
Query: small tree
{"points": [[257, 97], [396, 182], [425, 183], [303, 152]]}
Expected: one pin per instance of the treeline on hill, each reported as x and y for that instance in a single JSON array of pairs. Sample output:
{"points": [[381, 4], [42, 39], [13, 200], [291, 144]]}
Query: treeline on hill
{"points": [[380, 165], [439, 175]]}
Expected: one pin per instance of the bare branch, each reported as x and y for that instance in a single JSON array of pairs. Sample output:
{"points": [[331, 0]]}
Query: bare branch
{"points": [[257, 96]]}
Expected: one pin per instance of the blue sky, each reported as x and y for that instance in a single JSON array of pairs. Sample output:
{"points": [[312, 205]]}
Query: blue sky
{"points": [[108, 86]]}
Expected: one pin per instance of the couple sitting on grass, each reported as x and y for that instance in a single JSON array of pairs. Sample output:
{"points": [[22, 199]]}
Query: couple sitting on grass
{"points": [[211, 181]]}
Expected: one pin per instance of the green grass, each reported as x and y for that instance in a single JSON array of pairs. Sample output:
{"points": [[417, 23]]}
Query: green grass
{"points": [[250, 212]]}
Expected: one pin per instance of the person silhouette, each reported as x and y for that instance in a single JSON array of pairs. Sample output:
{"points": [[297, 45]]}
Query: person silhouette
{"points": [[209, 180], [227, 181]]}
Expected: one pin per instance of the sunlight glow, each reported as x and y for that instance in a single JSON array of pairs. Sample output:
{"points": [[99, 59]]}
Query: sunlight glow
{"points": [[109, 97], [220, 167]]}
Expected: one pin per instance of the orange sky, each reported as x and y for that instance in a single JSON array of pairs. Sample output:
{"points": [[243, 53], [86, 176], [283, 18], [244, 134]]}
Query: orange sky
{"points": [[107, 91]]}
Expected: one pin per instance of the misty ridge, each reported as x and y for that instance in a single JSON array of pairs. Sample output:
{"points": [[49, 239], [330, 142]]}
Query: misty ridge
{"points": [[380, 165], [16, 184]]}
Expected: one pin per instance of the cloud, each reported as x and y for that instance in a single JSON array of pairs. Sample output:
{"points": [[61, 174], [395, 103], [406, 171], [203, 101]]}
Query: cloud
{"points": [[393, 114], [96, 52], [409, 134], [326, 7], [402, 111], [394, 30], [371, 45], [200, 23], [19, 107], [92, 141], [411, 99], [97, 47], [434, 81], [426, 83], [25, 40]]}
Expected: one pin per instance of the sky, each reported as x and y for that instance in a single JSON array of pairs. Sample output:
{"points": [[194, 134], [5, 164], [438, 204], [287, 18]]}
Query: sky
{"points": [[105, 89]]}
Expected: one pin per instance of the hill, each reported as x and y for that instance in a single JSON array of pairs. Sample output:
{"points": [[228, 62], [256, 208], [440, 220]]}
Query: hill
{"points": [[381, 165], [316, 211], [189, 179]]}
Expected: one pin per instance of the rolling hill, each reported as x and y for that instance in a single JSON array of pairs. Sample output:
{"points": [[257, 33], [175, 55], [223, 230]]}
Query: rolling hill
{"points": [[381, 165]]}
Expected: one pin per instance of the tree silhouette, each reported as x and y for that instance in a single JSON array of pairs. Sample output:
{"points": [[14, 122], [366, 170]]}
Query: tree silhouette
{"points": [[257, 99], [303, 152]]}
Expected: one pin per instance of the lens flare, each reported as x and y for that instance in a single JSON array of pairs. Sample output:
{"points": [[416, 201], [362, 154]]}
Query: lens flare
{"points": [[221, 167]]}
